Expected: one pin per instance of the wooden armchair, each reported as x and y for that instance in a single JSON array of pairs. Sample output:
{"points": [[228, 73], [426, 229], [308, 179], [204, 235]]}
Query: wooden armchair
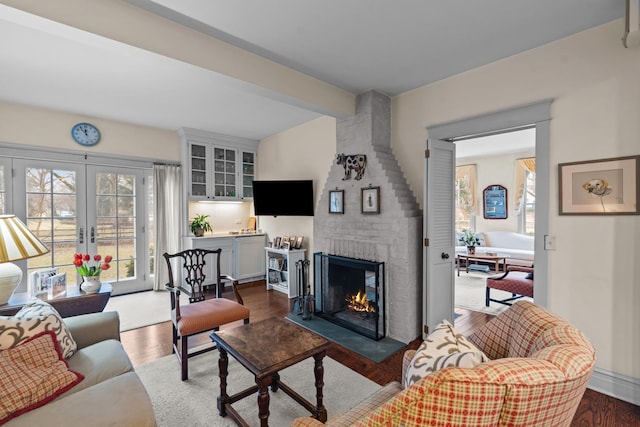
{"points": [[201, 314], [517, 280]]}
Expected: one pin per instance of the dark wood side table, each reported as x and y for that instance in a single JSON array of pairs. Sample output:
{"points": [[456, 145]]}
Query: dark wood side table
{"points": [[73, 303], [265, 348]]}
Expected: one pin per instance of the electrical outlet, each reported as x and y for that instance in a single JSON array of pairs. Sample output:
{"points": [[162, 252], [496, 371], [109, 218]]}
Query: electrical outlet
{"points": [[238, 221], [550, 243]]}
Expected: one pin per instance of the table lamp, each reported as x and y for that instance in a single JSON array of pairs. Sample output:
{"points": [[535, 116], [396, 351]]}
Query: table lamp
{"points": [[16, 242]]}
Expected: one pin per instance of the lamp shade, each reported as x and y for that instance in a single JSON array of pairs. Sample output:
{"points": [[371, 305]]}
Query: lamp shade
{"points": [[17, 241]]}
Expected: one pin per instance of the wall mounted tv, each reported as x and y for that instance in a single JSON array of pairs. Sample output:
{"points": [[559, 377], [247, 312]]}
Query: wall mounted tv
{"points": [[283, 198]]}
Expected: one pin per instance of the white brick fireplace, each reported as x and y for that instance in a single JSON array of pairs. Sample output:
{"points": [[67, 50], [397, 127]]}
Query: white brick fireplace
{"points": [[394, 236]]}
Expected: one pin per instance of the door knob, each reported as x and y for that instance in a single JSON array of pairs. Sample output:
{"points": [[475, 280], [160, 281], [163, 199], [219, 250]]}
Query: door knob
{"points": [[444, 255]]}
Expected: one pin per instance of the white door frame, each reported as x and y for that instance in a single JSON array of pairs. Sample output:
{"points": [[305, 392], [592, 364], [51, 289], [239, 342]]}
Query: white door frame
{"points": [[538, 115]]}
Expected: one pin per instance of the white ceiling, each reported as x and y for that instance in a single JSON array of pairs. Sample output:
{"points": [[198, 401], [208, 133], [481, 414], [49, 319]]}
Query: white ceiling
{"points": [[356, 45]]}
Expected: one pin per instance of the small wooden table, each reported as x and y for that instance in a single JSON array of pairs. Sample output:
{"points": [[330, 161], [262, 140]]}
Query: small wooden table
{"points": [[265, 348], [481, 257], [73, 303]]}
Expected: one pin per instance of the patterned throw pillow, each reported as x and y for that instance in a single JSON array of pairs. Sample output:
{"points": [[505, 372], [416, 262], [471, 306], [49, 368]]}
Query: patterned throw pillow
{"points": [[32, 374], [34, 317], [443, 348]]}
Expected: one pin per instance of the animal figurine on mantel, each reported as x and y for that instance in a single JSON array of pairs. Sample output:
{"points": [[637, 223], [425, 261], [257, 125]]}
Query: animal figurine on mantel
{"points": [[352, 162]]}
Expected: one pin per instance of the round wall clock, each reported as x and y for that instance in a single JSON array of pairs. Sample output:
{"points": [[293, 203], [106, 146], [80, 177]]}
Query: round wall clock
{"points": [[85, 134]]}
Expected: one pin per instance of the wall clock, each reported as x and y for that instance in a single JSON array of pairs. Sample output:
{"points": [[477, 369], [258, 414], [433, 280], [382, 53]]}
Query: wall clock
{"points": [[85, 134]]}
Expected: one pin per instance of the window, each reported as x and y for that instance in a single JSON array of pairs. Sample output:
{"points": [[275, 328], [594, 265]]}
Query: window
{"points": [[526, 197], [465, 197]]}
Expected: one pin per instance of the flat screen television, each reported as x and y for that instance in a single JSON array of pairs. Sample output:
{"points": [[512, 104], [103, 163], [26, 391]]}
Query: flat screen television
{"points": [[283, 198]]}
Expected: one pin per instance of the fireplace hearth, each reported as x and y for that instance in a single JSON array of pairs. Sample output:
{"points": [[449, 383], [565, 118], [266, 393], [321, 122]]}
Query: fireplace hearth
{"points": [[349, 293]]}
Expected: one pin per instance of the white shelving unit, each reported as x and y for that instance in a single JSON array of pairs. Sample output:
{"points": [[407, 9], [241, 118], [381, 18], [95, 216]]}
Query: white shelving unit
{"points": [[281, 270]]}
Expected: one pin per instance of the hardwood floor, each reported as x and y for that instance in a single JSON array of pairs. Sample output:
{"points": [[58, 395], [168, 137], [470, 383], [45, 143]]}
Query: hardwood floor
{"points": [[153, 342]]}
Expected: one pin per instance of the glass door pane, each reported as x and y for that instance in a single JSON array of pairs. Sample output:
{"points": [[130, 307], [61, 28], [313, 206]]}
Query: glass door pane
{"points": [[119, 217], [50, 197]]}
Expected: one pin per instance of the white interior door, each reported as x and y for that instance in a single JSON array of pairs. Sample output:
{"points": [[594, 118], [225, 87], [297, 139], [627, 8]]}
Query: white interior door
{"points": [[439, 253]]}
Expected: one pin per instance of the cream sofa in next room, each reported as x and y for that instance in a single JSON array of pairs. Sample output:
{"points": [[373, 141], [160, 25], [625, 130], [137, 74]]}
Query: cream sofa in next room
{"points": [[518, 247]]}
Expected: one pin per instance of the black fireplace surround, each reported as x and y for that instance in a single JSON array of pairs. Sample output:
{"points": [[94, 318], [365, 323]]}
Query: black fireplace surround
{"points": [[350, 292]]}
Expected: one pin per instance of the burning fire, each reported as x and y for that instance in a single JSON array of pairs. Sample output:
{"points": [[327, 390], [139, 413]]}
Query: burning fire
{"points": [[359, 302]]}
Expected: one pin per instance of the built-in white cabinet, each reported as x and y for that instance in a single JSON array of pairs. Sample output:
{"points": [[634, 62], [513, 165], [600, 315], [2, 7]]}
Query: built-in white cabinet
{"points": [[281, 270], [249, 261], [242, 256], [213, 243], [217, 167]]}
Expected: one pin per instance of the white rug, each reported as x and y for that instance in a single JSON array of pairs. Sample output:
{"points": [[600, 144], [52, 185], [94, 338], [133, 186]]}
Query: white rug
{"points": [[470, 291], [193, 402], [142, 308]]}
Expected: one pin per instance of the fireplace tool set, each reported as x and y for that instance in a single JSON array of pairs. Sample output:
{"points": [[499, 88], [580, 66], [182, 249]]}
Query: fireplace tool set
{"points": [[304, 302]]}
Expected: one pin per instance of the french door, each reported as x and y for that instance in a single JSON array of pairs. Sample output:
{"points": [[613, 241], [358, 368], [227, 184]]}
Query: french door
{"points": [[78, 208]]}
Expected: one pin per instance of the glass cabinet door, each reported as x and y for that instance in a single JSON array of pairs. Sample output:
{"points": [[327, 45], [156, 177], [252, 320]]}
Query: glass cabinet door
{"points": [[248, 173], [224, 172], [198, 170]]}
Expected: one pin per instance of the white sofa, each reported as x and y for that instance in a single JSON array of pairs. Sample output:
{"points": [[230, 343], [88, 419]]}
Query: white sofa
{"points": [[519, 247]]}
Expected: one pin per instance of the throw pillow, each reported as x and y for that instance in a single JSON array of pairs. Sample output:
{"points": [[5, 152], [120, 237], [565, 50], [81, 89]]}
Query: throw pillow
{"points": [[443, 348], [32, 374], [34, 317]]}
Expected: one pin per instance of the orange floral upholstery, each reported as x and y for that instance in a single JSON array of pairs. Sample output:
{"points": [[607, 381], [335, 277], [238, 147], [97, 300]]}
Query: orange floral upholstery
{"points": [[538, 373]]}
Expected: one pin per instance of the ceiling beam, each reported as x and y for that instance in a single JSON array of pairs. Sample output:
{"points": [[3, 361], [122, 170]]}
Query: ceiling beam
{"points": [[125, 23]]}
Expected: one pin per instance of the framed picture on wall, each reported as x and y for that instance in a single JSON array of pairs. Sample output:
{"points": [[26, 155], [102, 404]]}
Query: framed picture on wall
{"points": [[370, 200], [336, 201], [494, 200], [600, 187]]}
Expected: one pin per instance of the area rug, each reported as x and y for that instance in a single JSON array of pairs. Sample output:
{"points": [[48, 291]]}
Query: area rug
{"points": [[142, 308], [193, 402], [470, 291]]}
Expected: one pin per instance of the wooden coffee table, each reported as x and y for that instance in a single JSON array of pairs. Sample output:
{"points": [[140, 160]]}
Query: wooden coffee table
{"points": [[265, 348], [482, 257]]}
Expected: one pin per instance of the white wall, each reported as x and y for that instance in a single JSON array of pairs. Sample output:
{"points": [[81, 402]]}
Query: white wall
{"points": [[20, 124], [304, 152], [594, 273], [496, 170]]}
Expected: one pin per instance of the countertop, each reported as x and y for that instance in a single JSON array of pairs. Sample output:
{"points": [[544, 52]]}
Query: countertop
{"points": [[223, 234]]}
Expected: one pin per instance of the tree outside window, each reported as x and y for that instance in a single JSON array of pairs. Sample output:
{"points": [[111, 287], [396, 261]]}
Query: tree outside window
{"points": [[465, 197]]}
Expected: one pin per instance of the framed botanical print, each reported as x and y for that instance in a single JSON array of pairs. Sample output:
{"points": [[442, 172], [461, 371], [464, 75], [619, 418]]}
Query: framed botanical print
{"points": [[600, 187]]}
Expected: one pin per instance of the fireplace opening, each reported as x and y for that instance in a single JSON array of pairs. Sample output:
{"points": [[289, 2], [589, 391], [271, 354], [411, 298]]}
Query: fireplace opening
{"points": [[349, 293]]}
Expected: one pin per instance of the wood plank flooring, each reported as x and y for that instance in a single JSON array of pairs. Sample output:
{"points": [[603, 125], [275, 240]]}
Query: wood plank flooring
{"points": [[153, 342]]}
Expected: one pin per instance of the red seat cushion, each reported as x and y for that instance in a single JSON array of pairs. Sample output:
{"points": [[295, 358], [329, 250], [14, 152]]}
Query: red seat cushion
{"points": [[514, 282]]}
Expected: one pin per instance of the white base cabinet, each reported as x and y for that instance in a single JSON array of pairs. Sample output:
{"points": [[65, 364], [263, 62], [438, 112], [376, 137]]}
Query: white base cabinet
{"points": [[242, 256], [248, 254], [281, 270], [213, 243]]}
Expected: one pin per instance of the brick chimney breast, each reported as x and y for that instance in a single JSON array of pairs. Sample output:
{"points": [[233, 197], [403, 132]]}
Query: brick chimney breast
{"points": [[394, 236]]}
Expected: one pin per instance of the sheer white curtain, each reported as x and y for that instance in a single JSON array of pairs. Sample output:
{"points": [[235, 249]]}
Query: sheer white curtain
{"points": [[167, 195]]}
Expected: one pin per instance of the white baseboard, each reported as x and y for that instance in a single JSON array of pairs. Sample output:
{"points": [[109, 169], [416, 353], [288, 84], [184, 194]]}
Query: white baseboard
{"points": [[616, 385]]}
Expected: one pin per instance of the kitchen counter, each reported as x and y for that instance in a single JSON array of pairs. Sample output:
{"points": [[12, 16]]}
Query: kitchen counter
{"points": [[222, 234]]}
